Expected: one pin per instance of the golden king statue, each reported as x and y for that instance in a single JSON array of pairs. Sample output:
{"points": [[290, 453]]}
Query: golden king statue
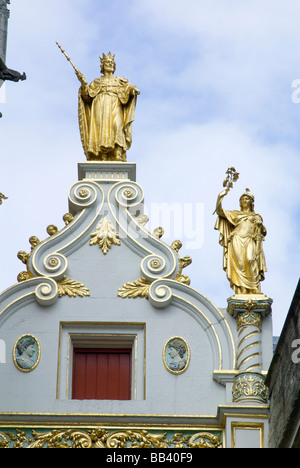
{"points": [[241, 236], [106, 111]]}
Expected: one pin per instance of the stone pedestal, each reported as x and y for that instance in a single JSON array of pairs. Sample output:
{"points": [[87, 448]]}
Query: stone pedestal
{"points": [[249, 312], [107, 171]]}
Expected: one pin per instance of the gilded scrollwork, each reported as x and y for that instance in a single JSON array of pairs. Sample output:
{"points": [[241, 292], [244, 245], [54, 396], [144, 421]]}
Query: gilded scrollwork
{"points": [[55, 265], [46, 291], [102, 438], [66, 286], [153, 268]]}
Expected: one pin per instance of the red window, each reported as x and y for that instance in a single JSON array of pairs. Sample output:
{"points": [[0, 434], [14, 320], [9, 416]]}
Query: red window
{"points": [[101, 374]]}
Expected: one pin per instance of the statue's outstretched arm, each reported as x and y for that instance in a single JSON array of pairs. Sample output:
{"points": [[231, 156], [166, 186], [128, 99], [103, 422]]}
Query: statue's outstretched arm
{"points": [[219, 208], [81, 78], [231, 177]]}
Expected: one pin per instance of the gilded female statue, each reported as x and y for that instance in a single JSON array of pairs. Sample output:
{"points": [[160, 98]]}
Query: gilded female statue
{"points": [[241, 235], [106, 112]]}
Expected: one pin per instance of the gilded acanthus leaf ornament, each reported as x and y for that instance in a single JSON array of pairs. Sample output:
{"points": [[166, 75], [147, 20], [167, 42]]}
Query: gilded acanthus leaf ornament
{"points": [[71, 288], [105, 235], [138, 288]]}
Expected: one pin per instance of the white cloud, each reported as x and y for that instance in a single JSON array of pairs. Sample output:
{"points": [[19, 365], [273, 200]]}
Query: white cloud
{"points": [[239, 59]]}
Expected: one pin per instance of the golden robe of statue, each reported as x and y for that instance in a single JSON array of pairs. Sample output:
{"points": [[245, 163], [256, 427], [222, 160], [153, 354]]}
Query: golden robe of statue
{"points": [[106, 112], [241, 235]]}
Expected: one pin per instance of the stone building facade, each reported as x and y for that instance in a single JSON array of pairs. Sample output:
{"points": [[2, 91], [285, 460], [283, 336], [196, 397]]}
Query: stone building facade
{"points": [[283, 380], [102, 292], [4, 15]]}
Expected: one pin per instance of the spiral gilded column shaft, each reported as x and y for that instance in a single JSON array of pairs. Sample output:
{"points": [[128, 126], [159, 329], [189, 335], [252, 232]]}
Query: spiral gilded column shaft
{"points": [[249, 383], [249, 349]]}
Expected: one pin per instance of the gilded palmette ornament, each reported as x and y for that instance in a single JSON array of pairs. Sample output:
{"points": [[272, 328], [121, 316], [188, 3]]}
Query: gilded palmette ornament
{"points": [[105, 235]]}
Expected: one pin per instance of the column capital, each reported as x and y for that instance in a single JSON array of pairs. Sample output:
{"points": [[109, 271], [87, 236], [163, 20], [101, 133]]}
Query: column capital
{"points": [[249, 304], [249, 386]]}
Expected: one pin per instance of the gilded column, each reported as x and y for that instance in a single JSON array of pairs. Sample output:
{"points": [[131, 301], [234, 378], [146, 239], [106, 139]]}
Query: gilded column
{"points": [[249, 314]]}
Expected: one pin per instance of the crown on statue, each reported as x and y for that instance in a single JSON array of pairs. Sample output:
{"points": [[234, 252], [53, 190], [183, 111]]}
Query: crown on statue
{"points": [[105, 57]]}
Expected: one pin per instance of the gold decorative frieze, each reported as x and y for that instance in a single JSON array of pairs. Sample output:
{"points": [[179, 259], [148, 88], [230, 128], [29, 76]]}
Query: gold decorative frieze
{"points": [[103, 438], [105, 235]]}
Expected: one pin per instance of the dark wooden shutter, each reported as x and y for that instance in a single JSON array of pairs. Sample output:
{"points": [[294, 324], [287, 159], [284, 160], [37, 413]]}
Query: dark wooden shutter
{"points": [[101, 374]]}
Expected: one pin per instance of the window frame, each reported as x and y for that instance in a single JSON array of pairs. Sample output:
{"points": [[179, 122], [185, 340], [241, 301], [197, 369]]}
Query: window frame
{"points": [[105, 335]]}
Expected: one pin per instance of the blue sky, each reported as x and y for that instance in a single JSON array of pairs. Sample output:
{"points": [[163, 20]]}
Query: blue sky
{"points": [[216, 91]]}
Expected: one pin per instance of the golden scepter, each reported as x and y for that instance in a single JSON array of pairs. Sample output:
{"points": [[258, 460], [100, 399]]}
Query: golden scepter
{"points": [[232, 176], [78, 73], [2, 197]]}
